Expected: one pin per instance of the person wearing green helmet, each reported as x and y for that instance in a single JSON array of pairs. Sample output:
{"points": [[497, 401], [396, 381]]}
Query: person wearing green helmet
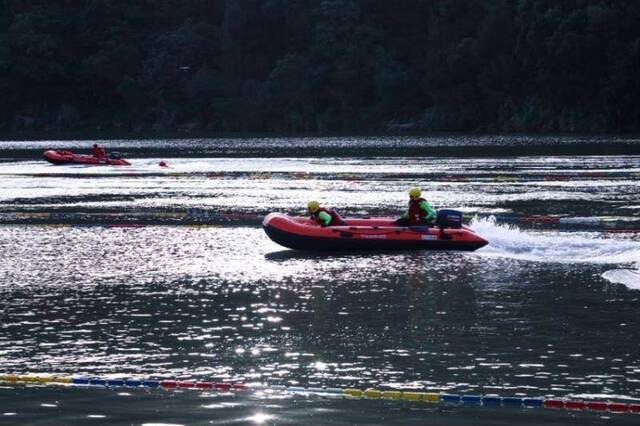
{"points": [[420, 211], [322, 216]]}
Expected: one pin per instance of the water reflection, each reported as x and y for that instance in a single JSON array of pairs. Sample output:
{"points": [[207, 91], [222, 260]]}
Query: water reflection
{"points": [[530, 314], [217, 305]]}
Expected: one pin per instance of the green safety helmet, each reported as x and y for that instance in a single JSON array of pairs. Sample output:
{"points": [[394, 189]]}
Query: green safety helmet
{"points": [[313, 205]]}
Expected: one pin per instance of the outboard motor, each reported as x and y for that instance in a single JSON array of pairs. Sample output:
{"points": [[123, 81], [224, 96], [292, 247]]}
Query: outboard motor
{"points": [[449, 219], [115, 155]]}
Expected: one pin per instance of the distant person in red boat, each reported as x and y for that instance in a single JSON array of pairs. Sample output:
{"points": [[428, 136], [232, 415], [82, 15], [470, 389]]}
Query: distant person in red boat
{"points": [[324, 217], [420, 211], [98, 151]]}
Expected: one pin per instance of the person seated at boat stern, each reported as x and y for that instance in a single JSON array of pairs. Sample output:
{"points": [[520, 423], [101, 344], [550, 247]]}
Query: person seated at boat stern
{"points": [[98, 151], [420, 211], [324, 217]]}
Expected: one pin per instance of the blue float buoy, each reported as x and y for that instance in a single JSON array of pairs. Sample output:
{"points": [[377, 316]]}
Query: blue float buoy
{"points": [[471, 399], [492, 400], [450, 399], [512, 401], [533, 402]]}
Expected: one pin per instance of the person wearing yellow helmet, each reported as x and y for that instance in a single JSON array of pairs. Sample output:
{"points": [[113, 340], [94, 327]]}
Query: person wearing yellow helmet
{"points": [[322, 216], [420, 211]]}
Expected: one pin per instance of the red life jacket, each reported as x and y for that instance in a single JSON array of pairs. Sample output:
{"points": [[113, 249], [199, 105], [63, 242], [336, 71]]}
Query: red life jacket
{"points": [[335, 217], [99, 152], [416, 214]]}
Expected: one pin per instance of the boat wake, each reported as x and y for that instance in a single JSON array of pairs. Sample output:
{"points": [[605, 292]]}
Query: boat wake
{"points": [[627, 277], [558, 247], [511, 242], [566, 247]]}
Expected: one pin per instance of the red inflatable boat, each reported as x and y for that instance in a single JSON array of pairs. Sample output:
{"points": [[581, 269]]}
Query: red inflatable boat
{"points": [[68, 157], [302, 233]]}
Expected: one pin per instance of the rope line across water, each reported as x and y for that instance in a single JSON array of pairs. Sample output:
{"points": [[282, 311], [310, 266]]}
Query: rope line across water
{"points": [[207, 218], [350, 393], [349, 176]]}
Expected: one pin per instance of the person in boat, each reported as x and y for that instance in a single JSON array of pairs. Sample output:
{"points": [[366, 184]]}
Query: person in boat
{"points": [[420, 211], [98, 151], [322, 216]]}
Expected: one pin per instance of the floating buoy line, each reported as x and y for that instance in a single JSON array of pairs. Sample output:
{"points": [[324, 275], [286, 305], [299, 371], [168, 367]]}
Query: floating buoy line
{"points": [[624, 175], [212, 218], [495, 401]]}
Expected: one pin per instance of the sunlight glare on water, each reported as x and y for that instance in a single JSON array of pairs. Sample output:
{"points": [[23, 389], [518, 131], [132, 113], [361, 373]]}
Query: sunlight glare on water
{"points": [[542, 310]]}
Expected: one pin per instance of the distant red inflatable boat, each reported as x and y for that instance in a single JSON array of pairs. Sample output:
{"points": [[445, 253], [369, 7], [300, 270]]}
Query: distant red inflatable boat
{"points": [[302, 233], [68, 157]]}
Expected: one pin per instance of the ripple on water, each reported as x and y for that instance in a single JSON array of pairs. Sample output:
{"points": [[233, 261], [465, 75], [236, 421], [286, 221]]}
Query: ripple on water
{"points": [[531, 314]]}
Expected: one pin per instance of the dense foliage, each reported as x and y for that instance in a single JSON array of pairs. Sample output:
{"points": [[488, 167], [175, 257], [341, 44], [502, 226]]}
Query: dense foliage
{"points": [[320, 65]]}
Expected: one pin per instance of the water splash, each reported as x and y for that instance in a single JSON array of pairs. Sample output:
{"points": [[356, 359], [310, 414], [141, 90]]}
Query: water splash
{"points": [[510, 241], [627, 277]]}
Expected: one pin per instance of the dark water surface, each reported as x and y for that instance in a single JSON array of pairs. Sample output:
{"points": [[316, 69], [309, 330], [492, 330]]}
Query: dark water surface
{"points": [[541, 311], [451, 145]]}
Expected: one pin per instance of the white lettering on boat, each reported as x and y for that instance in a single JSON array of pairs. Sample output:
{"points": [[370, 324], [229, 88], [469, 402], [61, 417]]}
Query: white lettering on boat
{"points": [[374, 236]]}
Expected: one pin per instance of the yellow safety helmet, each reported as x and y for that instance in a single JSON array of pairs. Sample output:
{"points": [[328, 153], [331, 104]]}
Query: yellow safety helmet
{"points": [[415, 192], [313, 205]]}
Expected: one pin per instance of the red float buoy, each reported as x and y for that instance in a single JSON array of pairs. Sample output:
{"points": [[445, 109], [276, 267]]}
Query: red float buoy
{"points": [[618, 407], [204, 385], [574, 405], [597, 405], [553, 403], [240, 386]]}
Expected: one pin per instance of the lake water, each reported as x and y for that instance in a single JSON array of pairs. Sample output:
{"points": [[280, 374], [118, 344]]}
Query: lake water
{"points": [[549, 308]]}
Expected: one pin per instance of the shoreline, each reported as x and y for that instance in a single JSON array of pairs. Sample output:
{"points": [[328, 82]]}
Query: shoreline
{"points": [[97, 136]]}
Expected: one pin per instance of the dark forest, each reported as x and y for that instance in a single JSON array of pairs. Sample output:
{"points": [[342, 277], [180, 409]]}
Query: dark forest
{"points": [[295, 66]]}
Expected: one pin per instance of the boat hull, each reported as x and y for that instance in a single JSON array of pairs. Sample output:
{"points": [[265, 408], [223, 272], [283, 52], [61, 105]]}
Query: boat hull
{"points": [[68, 157], [366, 234]]}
